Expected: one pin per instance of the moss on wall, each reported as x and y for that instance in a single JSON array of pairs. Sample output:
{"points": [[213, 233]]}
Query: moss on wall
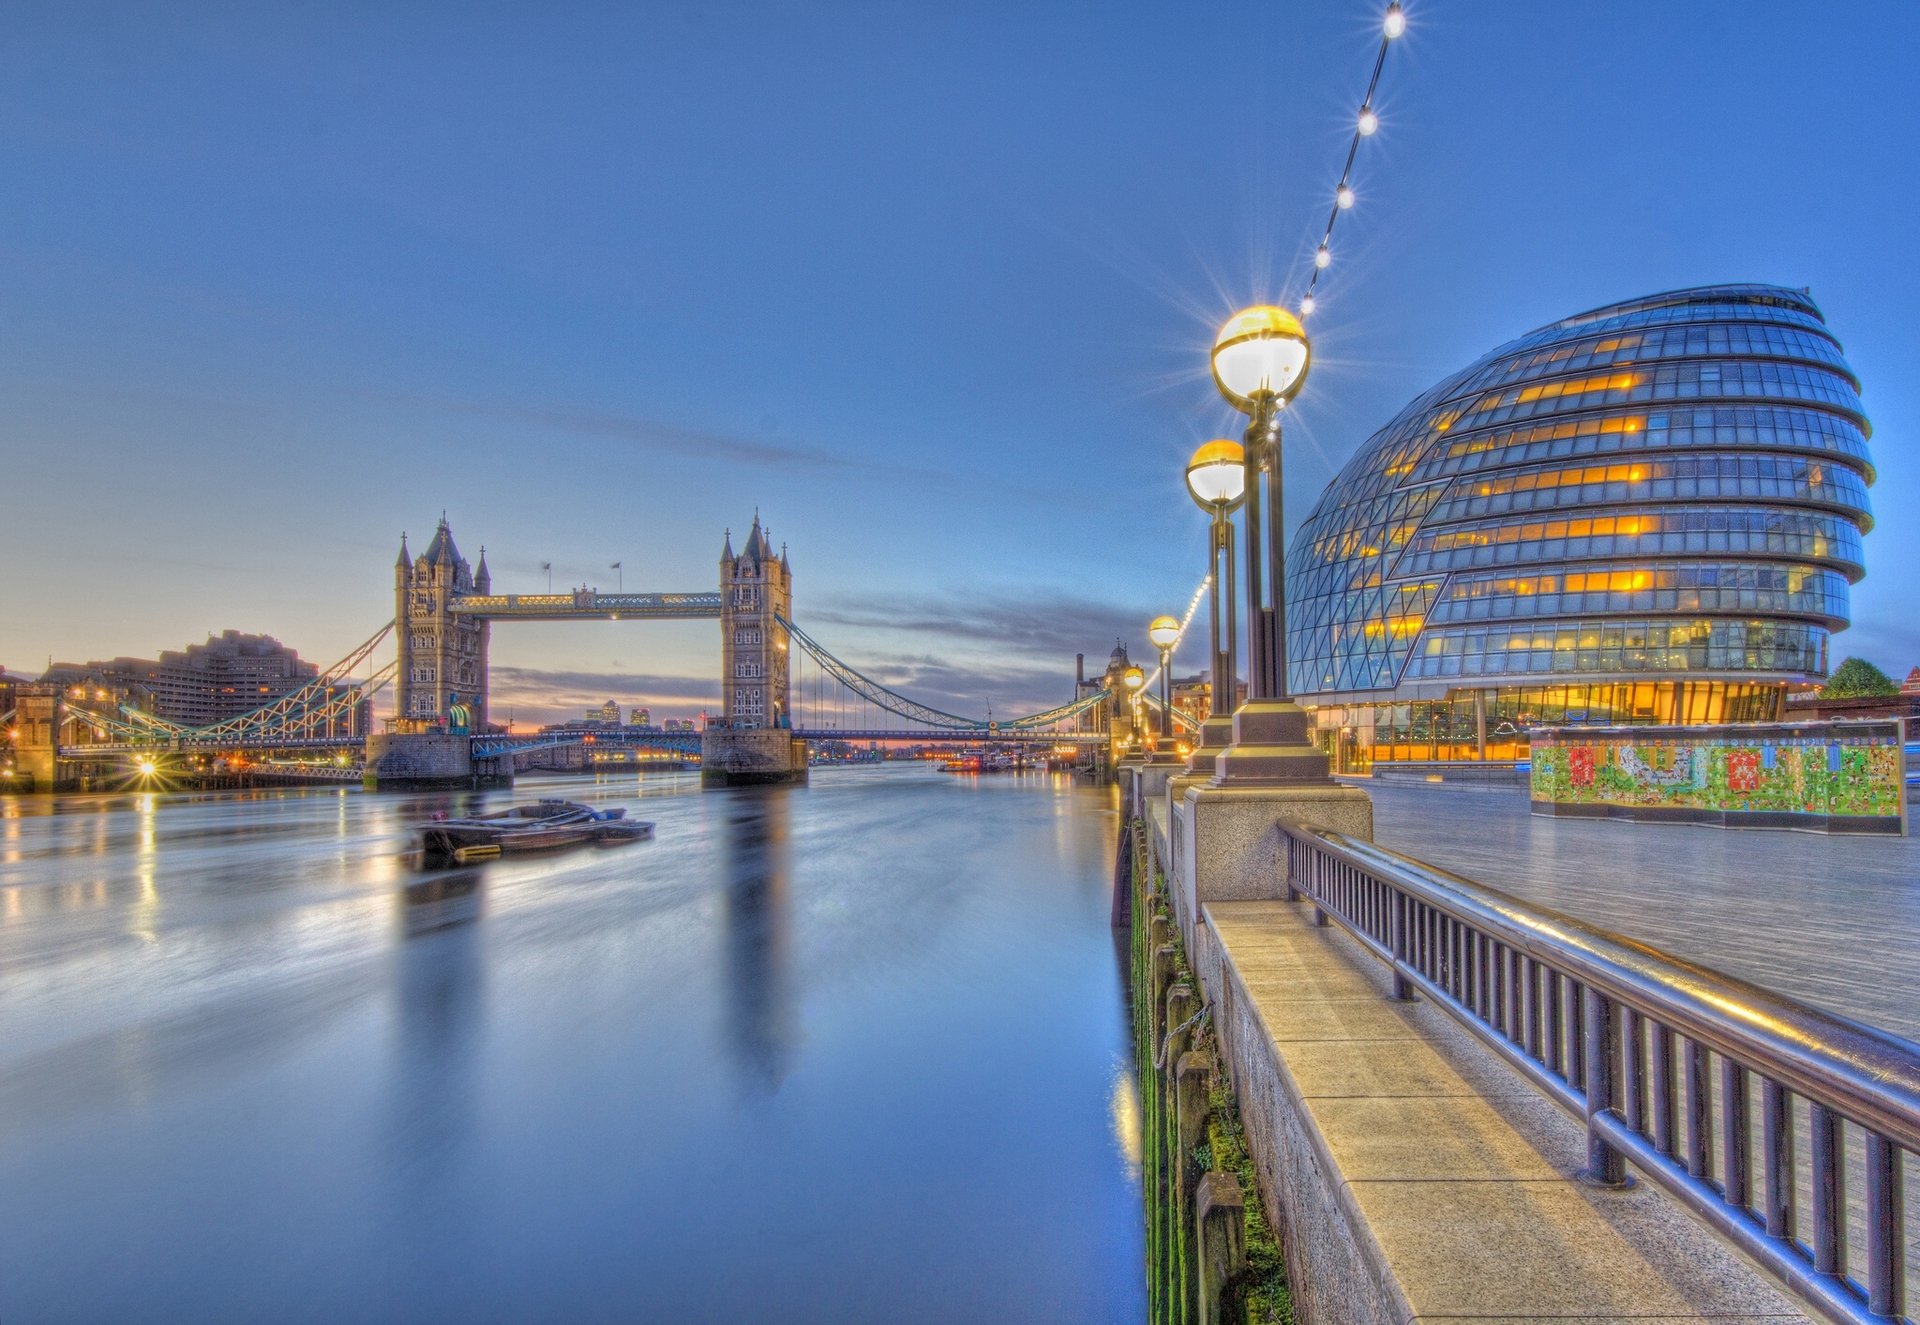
{"points": [[1258, 1294]]}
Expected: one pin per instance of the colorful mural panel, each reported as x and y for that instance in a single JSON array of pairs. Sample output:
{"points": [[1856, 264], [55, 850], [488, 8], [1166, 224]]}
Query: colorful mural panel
{"points": [[1849, 776]]}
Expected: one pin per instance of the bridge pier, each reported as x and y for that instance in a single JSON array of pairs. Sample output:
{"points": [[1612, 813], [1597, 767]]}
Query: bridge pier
{"points": [[427, 761], [36, 746], [751, 757]]}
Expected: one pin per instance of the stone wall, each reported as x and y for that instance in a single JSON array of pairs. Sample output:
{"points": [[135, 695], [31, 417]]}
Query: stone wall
{"points": [[745, 757], [407, 761]]}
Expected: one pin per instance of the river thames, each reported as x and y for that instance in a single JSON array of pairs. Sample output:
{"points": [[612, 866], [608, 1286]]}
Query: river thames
{"points": [[854, 1051]]}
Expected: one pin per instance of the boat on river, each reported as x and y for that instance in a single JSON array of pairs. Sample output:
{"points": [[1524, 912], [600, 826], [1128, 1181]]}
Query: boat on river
{"points": [[544, 825]]}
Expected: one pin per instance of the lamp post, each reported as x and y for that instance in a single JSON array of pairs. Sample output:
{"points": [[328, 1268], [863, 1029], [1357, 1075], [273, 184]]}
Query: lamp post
{"points": [[1162, 632], [1260, 358], [1217, 481], [1133, 678]]}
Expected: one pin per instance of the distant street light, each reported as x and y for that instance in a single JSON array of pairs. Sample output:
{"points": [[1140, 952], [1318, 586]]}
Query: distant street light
{"points": [[1217, 481], [1133, 679], [1163, 632], [1260, 359]]}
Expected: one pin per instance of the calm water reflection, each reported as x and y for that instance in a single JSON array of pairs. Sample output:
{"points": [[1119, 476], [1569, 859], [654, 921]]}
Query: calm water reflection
{"points": [[849, 1052]]}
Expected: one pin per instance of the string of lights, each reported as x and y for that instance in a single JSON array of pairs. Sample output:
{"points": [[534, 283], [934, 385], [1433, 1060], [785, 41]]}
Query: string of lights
{"points": [[1367, 124]]}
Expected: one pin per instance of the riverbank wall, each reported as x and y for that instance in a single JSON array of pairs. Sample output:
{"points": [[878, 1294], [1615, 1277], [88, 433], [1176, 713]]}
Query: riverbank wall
{"points": [[1408, 1173], [1212, 1255]]}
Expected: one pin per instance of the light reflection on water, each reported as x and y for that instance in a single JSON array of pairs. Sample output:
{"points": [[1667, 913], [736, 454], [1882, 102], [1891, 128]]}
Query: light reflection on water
{"points": [[847, 1052]]}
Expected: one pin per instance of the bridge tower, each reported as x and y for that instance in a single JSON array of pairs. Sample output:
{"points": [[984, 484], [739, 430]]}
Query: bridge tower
{"points": [[754, 587], [753, 742], [441, 654]]}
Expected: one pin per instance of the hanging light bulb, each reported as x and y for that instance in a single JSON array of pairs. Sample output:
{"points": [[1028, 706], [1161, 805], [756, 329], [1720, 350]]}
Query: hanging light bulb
{"points": [[1306, 304], [1396, 21], [1369, 122], [1344, 197], [1322, 257]]}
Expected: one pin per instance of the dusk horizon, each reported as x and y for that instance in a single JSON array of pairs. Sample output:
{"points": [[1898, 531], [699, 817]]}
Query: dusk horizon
{"points": [[355, 293], [1095, 664]]}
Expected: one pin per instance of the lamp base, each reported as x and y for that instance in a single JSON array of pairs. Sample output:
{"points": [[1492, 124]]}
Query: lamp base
{"points": [[1270, 748], [1165, 753], [1216, 734]]}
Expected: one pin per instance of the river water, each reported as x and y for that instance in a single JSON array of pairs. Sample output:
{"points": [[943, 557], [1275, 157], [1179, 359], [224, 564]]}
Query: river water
{"points": [[848, 1052]]}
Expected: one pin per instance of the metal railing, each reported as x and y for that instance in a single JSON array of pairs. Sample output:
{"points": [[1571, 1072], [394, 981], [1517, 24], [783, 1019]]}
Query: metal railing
{"points": [[1750, 1108]]}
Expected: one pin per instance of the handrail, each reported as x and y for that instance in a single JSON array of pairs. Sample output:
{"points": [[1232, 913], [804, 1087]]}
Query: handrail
{"points": [[1594, 1020]]}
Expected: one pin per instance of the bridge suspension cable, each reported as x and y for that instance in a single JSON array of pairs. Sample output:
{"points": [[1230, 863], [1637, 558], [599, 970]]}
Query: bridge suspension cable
{"points": [[892, 701], [1047, 717], [1180, 717], [871, 690]]}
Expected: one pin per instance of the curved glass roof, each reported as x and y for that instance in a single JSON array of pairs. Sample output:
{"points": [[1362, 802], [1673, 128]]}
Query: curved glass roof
{"points": [[1673, 485]]}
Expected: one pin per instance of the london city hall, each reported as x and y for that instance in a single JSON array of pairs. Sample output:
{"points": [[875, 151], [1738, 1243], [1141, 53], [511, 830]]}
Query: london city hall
{"points": [[1647, 513]]}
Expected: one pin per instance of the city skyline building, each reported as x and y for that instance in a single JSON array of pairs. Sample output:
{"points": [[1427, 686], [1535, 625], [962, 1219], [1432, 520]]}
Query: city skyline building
{"points": [[230, 674], [1650, 512]]}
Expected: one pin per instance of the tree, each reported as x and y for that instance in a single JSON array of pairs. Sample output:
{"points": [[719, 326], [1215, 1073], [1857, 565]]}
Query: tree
{"points": [[1855, 678]]}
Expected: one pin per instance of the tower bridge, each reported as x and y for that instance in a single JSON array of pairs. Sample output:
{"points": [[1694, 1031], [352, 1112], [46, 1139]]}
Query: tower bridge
{"points": [[444, 611]]}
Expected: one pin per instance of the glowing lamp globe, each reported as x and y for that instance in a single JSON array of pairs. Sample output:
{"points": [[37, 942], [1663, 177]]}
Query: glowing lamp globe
{"points": [[1133, 678], [1163, 631], [1217, 475], [1261, 351]]}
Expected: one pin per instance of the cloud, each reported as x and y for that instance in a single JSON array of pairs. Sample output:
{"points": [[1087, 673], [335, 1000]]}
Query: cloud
{"points": [[649, 433], [956, 652], [968, 691], [580, 682], [1044, 625], [701, 444], [974, 647], [539, 695]]}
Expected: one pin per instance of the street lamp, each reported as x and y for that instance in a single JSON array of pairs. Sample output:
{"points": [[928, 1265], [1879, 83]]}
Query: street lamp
{"points": [[1163, 632], [1260, 358], [1217, 481], [1133, 679]]}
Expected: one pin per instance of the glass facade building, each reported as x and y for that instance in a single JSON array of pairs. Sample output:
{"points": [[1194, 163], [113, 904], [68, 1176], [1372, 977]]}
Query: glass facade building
{"points": [[1651, 512]]}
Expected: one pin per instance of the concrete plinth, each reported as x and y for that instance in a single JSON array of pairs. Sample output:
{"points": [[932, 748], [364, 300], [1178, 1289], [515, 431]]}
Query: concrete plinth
{"points": [[1216, 734], [1270, 744], [1231, 849], [737, 757], [419, 761], [1150, 776]]}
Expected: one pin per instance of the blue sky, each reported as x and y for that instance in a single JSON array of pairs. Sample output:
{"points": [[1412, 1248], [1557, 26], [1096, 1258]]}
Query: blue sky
{"points": [[930, 288]]}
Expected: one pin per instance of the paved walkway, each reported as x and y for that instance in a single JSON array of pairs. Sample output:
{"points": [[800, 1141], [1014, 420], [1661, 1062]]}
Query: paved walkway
{"points": [[1833, 921], [1424, 1179]]}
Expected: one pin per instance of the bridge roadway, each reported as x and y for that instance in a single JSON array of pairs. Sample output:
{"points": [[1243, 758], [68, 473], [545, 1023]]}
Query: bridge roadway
{"points": [[587, 605]]}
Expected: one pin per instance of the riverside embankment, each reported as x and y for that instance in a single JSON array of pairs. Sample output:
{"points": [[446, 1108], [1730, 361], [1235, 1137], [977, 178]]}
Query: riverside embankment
{"points": [[1409, 1173]]}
